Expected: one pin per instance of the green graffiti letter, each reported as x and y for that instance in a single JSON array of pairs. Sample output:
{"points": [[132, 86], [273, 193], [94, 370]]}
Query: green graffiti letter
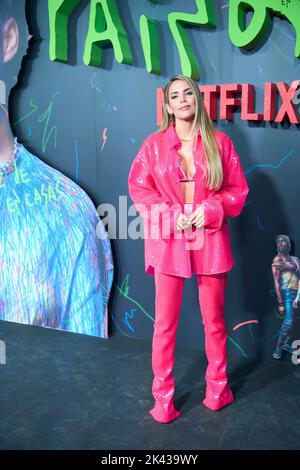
{"points": [[248, 37], [106, 29], [205, 17], [150, 43], [59, 13]]}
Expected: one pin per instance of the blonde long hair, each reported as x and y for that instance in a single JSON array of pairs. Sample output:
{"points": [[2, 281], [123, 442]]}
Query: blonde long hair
{"points": [[203, 123]]}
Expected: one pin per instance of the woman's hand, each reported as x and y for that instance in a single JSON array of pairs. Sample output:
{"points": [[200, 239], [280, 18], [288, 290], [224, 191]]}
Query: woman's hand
{"points": [[197, 217], [182, 222], [295, 303]]}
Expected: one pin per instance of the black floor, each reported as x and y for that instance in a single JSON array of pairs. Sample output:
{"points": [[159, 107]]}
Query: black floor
{"points": [[66, 391]]}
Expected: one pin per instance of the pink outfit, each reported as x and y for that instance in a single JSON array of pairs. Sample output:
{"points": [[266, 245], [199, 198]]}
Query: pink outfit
{"points": [[154, 186]]}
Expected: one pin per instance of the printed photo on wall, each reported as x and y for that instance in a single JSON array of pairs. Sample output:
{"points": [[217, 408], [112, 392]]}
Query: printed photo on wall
{"points": [[286, 275]]}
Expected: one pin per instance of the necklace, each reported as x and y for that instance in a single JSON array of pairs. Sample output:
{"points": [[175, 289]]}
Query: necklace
{"points": [[185, 140], [8, 166]]}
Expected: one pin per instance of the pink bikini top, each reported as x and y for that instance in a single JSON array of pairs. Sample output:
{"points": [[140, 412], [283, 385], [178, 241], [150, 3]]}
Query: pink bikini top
{"points": [[182, 176]]}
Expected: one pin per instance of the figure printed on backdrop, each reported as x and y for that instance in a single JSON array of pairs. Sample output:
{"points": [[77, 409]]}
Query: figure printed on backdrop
{"points": [[54, 270], [185, 181], [286, 275]]}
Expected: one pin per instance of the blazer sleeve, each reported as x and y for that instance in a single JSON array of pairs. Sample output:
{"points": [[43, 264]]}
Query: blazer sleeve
{"points": [[230, 199], [158, 213]]}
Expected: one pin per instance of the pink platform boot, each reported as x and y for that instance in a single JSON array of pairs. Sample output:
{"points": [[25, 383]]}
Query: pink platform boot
{"points": [[211, 298], [167, 308]]}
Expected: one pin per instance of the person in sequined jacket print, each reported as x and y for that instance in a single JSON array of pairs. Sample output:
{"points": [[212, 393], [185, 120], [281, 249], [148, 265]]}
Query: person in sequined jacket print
{"points": [[54, 270]]}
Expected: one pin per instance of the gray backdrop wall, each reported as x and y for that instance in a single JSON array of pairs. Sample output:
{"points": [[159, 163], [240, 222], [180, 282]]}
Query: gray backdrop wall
{"points": [[59, 112]]}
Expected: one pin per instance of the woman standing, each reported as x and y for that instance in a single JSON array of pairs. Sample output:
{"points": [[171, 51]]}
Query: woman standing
{"points": [[185, 181]]}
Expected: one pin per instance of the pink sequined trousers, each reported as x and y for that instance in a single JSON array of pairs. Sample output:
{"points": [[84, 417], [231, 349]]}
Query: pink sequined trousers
{"points": [[167, 308], [194, 238]]}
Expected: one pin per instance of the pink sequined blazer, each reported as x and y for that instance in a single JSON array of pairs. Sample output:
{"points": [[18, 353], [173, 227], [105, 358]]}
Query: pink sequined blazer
{"points": [[154, 187]]}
